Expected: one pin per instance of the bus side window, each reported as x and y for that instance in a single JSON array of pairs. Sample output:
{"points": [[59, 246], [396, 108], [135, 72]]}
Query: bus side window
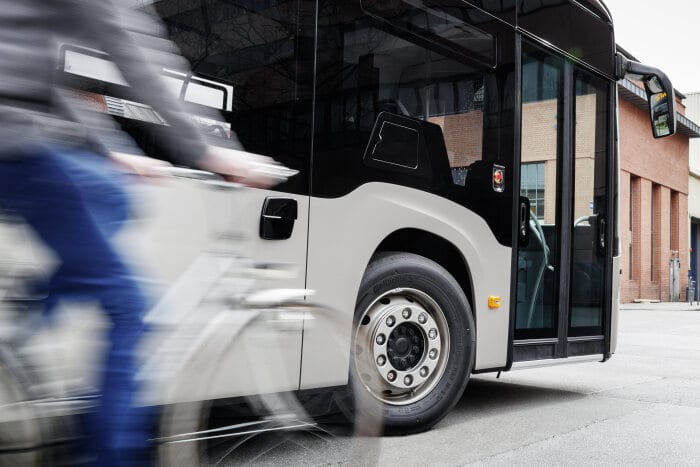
{"points": [[411, 146], [377, 59]]}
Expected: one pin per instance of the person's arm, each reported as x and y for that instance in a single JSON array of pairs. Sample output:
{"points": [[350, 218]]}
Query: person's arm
{"points": [[100, 21]]}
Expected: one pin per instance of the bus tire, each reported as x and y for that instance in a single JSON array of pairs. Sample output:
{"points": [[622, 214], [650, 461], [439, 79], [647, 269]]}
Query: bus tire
{"points": [[414, 340]]}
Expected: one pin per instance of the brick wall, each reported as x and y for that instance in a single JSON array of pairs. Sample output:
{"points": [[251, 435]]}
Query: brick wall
{"points": [[464, 135], [656, 170]]}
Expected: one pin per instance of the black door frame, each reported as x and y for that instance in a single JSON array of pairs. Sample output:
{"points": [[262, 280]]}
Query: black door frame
{"points": [[560, 346]]}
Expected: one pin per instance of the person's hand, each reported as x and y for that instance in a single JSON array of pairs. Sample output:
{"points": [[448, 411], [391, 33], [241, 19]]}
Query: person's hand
{"points": [[139, 165], [239, 166]]}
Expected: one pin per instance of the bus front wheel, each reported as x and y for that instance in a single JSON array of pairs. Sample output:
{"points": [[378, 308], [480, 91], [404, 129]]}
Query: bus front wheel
{"points": [[414, 340]]}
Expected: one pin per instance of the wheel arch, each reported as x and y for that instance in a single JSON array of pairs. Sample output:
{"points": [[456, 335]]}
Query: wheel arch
{"points": [[435, 248]]}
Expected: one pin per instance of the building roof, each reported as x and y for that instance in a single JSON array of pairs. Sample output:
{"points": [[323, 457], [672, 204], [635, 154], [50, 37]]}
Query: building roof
{"points": [[637, 96]]}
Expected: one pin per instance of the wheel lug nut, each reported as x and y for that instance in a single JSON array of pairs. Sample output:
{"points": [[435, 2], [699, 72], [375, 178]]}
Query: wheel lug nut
{"points": [[391, 376], [381, 360], [406, 313], [416, 349], [432, 354], [408, 380], [424, 371], [381, 339], [390, 321], [422, 318], [432, 333]]}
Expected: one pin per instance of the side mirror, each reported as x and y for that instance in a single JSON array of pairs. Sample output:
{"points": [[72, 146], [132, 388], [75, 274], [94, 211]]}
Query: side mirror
{"points": [[660, 94], [659, 109]]}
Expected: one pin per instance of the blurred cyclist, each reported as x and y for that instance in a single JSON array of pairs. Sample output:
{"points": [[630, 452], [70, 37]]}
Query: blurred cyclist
{"points": [[52, 176]]}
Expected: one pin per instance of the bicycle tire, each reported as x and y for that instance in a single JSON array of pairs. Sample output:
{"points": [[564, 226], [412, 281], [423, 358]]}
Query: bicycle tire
{"points": [[187, 429], [21, 430]]}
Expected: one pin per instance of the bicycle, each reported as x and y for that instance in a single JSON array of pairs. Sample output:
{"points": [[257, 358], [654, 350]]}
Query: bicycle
{"points": [[223, 290], [38, 417]]}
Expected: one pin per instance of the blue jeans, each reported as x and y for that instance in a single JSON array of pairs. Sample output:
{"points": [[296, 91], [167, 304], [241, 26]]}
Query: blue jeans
{"points": [[75, 203]]}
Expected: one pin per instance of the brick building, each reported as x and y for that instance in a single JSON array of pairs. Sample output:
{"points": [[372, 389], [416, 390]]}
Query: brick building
{"points": [[653, 190], [692, 111]]}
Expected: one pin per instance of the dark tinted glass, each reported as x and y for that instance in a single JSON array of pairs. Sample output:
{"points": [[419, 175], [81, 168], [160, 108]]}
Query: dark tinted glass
{"points": [[503, 9], [448, 24], [590, 205], [262, 52], [540, 173], [407, 71], [572, 28]]}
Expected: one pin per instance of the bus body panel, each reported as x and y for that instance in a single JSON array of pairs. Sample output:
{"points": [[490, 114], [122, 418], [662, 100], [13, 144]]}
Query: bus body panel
{"points": [[183, 220], [175, 223], [340, 250]]}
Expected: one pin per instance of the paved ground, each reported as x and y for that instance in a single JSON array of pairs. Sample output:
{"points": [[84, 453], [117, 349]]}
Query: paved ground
{"points": [[640, 408]]}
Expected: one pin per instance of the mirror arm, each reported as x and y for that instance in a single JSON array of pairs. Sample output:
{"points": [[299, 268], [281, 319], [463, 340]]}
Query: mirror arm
{"points": [[629, 68], [621, 66]]}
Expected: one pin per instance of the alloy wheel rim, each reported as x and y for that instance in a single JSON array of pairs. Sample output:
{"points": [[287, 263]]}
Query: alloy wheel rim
{"points": [[402, 345]]}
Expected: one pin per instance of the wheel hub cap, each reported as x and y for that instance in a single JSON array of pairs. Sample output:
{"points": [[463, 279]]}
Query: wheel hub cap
{"points": [[405, 346], [402, 346]]}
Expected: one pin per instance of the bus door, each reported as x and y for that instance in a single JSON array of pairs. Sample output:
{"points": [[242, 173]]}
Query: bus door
{"points": [[564, 188]]}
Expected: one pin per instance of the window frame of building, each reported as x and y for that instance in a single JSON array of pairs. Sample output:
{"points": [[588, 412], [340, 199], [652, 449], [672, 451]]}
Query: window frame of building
{"points": [[538, 187], [633, 228]]}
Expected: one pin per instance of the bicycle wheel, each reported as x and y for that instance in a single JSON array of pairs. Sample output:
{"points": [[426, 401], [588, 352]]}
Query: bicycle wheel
{"points": [[266, 429], [21, 441]]}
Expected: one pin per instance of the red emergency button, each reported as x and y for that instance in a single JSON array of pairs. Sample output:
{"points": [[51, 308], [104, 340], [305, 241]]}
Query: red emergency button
{"points": [[499, 176]]}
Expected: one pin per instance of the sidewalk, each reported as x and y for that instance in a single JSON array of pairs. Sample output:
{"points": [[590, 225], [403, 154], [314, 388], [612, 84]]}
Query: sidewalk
{"points": [[661, 306]]}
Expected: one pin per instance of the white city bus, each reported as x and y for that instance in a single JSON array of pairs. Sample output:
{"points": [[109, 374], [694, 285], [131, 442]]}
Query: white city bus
{"points": [[457, 194]]}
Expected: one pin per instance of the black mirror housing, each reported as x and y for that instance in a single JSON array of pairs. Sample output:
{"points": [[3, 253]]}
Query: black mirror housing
{"points": [[660, 94]]}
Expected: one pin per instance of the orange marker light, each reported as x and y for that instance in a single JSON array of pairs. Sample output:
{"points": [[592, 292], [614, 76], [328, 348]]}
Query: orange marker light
{"points": [[494, 302]]}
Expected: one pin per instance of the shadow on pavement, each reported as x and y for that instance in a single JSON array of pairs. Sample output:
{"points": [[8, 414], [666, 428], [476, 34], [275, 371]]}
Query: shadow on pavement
{"points": [[484, 398]]}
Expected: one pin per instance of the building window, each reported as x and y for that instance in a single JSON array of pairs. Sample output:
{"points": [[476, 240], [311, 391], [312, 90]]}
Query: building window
{"points": [[674, 221], [655, 230], [532, 186], [633, 230]]}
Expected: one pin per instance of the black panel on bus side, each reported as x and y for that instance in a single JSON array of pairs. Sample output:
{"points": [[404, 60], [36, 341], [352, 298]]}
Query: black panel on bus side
{"points": [[573, 29], [448, 68], [503, 9], [264, 52], [258, 55]]}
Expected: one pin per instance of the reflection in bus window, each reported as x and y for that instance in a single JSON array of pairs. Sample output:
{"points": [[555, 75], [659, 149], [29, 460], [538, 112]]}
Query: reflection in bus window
{"points": [[540, 155], [370, 65], [590, 210], [533, 187], [255, 49]]}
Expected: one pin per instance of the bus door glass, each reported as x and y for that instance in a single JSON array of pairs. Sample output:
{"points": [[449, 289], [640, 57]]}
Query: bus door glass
{"points": [[563, 175], [589, 206], [541, 152]]}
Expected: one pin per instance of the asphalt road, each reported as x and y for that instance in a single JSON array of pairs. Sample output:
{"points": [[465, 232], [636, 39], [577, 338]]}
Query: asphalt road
{"points": [[640, 408]]}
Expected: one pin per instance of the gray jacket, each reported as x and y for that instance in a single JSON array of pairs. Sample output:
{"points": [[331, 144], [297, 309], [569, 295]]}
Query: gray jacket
{"points": [[33, 108]]}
